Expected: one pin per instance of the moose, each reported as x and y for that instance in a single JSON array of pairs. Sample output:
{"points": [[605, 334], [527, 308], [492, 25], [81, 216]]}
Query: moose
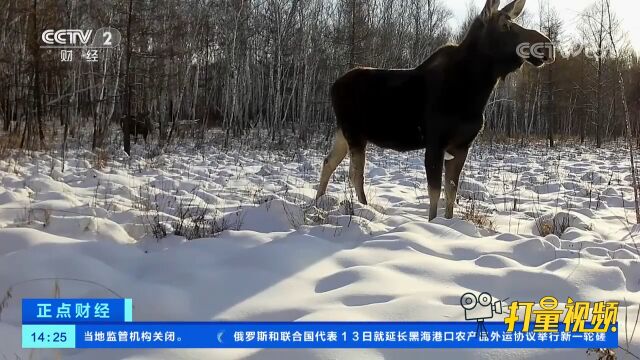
{"points": [[140, 125], [437, 106]]}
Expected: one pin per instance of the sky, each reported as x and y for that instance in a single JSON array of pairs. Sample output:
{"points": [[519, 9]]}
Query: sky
{"points": [[628, 11]]}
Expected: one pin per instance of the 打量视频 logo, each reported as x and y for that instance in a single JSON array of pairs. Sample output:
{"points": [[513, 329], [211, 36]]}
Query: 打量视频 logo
{"points": [[546, 317]]}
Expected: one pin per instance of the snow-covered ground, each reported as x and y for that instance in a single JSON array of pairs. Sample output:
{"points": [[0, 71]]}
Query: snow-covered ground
{"points": [[553, 223]]}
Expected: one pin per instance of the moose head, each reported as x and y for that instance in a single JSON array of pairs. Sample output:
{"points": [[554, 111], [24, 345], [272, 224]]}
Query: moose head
{"points": [[497, 37]]}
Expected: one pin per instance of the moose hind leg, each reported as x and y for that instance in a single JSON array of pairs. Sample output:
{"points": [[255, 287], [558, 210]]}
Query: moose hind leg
{"points": [[433, 162], [452, 171], [356, 172], [332, 161]]}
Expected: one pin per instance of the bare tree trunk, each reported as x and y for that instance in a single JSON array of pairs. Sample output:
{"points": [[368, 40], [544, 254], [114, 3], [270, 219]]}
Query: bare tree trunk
{"points": [[36, 70], [127, 122], [551, 116], [627, 118]]}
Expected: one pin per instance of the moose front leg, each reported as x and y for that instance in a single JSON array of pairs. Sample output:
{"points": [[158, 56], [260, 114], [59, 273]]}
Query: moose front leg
{"points": [[433, 164], [452, 171], [356, 171]]}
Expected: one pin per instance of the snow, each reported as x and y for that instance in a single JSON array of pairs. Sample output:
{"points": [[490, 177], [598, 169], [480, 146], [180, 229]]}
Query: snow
{"points": [[214, 235]]}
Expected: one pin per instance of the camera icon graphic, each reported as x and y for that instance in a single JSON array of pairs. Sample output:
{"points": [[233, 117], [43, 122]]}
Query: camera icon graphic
{"points": [[480, 308]]}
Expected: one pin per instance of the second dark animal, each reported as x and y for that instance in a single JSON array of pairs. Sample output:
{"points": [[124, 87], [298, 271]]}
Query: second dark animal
{"points": [[140, 125]]}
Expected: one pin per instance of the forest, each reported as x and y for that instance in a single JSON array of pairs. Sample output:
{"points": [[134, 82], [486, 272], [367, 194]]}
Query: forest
{"points": [[243, 66]]}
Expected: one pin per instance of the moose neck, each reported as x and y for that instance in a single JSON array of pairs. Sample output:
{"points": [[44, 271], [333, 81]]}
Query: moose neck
{"points": [[482, 68]]}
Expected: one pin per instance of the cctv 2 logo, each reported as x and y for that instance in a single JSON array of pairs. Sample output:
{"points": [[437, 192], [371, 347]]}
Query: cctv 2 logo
{"points": [[71, 38]]}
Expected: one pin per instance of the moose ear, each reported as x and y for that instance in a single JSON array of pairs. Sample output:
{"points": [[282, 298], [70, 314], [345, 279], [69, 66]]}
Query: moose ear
{"points": [[490, 8], [514, 9]]}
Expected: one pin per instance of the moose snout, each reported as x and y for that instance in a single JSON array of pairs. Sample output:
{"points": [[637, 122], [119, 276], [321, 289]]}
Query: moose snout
{"points": [[537, 49], [543, 48], [546, 52]]}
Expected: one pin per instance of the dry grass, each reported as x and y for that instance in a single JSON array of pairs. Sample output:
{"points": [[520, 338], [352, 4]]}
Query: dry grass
{"points": [[101, 159], [473, 213], [545, 228], [555, 225], [8, 142], [603, 354]]}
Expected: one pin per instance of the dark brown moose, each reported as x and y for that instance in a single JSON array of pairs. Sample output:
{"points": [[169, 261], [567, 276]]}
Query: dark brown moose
{"points": [[437, 106]]}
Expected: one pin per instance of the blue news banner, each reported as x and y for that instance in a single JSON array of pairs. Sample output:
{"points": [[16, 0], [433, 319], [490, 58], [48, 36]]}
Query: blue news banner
{"points": [[55, 323]]}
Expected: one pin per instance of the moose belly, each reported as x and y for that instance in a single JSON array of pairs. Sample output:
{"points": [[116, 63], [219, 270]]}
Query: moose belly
{"points": [[400, 140]]}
